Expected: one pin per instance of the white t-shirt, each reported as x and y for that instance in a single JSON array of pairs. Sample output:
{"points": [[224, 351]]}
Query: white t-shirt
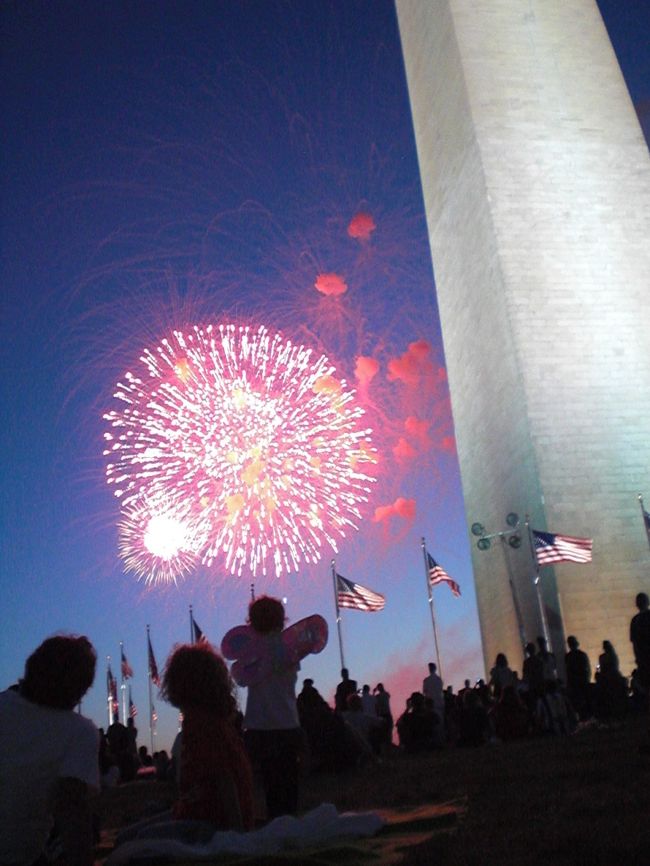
{"points": [[38, 745], [432, 688], [271, 703]]}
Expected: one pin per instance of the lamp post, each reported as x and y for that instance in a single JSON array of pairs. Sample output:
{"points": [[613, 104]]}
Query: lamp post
{"points": [[509, 538]]}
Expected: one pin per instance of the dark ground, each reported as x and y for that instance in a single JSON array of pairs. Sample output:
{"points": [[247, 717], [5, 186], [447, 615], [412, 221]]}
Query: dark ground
{"points": [[583, 800]]}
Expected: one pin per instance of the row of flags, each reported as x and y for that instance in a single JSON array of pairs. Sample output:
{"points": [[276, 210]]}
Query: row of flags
{"points": [[111, 691], [126, 672], [356, 597], [547, 548]]}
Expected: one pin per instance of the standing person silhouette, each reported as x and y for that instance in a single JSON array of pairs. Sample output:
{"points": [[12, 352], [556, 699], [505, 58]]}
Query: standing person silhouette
{"points": [[640, 637], [272, 729], [578, 676], [432, 688], [344, 689], [382, 707]]}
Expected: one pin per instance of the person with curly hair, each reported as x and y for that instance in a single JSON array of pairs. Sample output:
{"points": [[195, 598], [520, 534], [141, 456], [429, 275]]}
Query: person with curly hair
{"points": [[272, 729], [215, 780], [49, 755], [215, 784]]}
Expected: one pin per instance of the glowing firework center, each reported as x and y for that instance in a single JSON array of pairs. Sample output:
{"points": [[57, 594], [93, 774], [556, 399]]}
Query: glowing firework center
{"points": [[234, 443]]}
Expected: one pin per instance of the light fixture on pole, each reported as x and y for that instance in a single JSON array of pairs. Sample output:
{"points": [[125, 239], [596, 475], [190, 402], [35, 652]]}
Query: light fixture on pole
{"points": [[509, 538]]}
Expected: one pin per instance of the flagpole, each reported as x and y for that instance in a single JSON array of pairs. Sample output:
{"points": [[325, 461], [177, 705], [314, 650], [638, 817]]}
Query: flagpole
{"points": [[191, 626], [150, 695], [122, 684], [538, 586], [109, 690], [430, 597], [513, 591], [644, 519], [338, 612]]}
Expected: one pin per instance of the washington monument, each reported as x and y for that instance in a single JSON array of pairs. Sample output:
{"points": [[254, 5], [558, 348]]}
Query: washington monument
{"points": [[536, 181]]}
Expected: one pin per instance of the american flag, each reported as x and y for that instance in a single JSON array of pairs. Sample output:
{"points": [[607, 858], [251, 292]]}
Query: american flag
{"points": [[198, 634], [153, 667], [127, 670], [133, 710], [550, 547], [357, 597], [437, 575]]}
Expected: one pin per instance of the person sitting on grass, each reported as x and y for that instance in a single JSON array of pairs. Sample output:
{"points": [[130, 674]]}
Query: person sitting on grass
{"points": [[367, 728], [474, 726], [509, 716], [415, 727], [554, 713], [330, 745], [215, 788], [215, 775], [49, 756]]}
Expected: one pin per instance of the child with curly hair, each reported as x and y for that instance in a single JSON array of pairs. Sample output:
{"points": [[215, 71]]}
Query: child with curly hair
{"points": [[215, 782]]}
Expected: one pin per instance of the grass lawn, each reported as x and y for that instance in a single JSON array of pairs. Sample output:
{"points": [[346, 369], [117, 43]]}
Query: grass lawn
{"points": [[577, 801]]}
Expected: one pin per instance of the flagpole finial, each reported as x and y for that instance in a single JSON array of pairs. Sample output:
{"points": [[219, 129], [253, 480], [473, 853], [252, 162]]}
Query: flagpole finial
{"points": [[640, 497]]}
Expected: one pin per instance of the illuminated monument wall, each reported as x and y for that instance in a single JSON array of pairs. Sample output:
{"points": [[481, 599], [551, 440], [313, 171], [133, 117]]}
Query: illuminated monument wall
{"points": [[536, 180]]}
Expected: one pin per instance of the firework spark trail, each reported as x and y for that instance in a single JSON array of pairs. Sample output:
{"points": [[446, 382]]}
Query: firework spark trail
{"points": [[234, 442]]}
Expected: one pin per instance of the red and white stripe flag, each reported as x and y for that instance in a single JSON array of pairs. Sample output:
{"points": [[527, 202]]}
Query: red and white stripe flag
{"points": [[437, 575], [551, 547], [357, 597]]}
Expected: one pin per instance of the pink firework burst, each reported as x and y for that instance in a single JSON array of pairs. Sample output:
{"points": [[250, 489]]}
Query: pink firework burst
{"points": [[234, 443]]}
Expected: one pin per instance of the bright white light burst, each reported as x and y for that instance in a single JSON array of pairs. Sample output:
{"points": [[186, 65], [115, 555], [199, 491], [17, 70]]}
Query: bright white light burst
{"points": [[234, 444]]}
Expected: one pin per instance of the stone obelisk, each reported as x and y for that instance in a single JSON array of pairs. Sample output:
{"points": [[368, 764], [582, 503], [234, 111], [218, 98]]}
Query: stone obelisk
{"points": [[536, 181]]}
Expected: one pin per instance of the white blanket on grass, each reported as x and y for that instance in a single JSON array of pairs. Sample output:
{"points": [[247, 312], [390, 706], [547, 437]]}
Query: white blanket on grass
{"points": [[320, 826]]}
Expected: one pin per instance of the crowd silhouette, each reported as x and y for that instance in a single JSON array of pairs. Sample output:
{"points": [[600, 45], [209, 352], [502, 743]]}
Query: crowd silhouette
{"points": [[221, 756]]}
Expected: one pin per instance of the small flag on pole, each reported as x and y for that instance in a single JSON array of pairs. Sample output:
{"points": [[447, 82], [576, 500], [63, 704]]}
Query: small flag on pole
{"points": [[127, 670], [437, 575], [153, 667], [133, 710], [551, 547], [357, 597], [198, 634]]}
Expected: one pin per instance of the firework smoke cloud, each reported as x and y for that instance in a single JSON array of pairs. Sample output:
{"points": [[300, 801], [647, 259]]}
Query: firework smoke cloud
{"points": [[232, 444]]}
